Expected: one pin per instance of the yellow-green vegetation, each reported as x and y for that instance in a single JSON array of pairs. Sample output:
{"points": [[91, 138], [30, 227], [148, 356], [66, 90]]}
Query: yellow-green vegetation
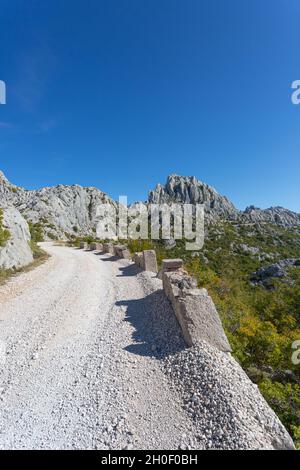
{"points": [[4, 233], [75, 241], [261, 324]]}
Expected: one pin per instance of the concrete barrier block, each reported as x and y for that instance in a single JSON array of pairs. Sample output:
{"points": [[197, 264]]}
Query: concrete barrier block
{"points": [[125, 253], [172, 264], [93, 246], [84, 246], [118, 250], [177, 283], [138, 259], [116, 247], [99, 246], [108, 248], [195, 311], [149, 261]]}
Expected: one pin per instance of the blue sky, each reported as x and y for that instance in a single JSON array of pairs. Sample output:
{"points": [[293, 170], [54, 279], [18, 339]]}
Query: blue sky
{"points": [[118, 94]]}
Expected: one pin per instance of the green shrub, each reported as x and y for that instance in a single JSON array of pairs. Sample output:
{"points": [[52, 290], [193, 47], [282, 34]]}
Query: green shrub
{"points": [[36, 232], [285, 401]]}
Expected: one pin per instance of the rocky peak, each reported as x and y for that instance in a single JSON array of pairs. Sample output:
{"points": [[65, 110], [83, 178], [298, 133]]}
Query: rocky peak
{"points": [[188, 189]]}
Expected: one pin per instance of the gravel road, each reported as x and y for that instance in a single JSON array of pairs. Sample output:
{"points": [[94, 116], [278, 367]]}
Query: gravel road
{"points": [[81, 368], [91, 357]]}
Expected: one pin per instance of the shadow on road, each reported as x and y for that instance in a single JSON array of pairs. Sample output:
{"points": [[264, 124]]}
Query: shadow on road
{"points": [[131, 270], [157, 333], [111, 258]]}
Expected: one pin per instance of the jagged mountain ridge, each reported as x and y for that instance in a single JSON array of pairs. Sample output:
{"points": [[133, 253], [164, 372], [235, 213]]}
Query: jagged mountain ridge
{"points": [[71, 210], [188, 189]]}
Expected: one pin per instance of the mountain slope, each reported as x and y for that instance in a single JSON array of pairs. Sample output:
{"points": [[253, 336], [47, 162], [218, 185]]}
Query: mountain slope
{"points": [[60, 210]]}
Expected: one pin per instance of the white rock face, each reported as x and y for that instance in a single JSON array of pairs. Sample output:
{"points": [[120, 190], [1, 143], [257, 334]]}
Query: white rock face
{"points": [[273, 215], [16, 253], [60, 209]]}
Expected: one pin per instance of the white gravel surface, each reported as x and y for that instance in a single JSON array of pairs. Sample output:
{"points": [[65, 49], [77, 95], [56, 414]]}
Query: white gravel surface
{"points": [[95, 360], [82, 367]]}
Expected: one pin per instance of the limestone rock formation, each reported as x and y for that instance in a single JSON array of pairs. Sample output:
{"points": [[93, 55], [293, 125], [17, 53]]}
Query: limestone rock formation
{"points": [[188, 189], [273, 215], [71, 210], [16, 252], [60, 209], [265, 275]]}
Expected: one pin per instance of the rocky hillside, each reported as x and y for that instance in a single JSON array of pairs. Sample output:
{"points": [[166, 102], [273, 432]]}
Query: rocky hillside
{"points": [[63, 211], [188, 189], [60, 211], [273, 215]]}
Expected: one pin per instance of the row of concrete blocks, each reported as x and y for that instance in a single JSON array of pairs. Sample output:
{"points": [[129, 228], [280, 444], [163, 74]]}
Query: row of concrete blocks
{"points": [[193, 307], [117, 250], [121, 251], [91, 246]]}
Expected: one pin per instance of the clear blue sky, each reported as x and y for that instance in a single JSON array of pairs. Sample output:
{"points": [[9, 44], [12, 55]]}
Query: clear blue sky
{"points": [[119, 93]]}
